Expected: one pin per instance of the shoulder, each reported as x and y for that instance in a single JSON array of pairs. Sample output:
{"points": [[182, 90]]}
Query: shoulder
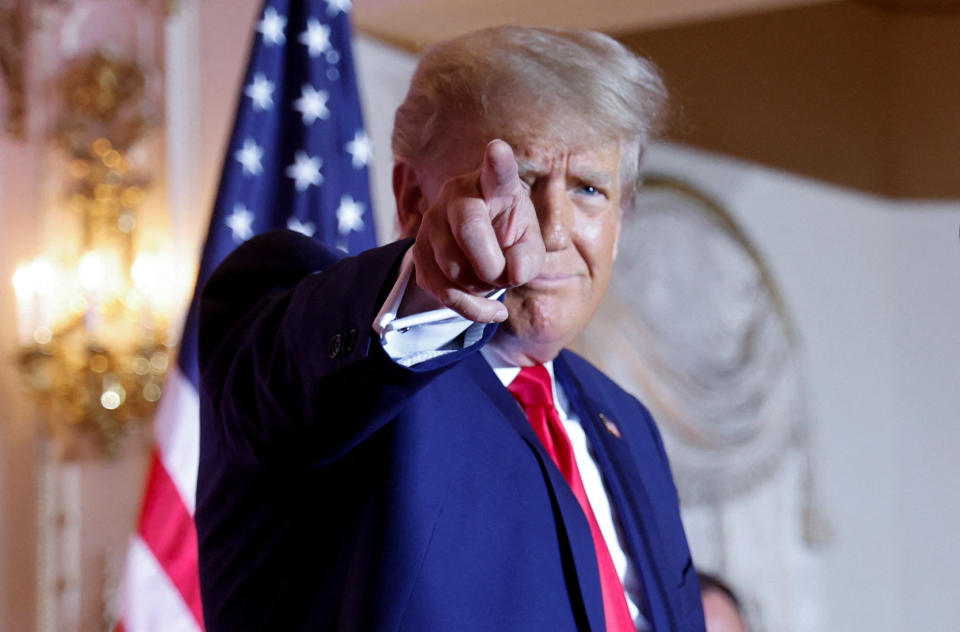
{"points": [[584, 368], [596, 382]]}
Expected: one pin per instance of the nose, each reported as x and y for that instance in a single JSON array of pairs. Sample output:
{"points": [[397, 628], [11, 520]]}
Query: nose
{"points": [[555, 213]]}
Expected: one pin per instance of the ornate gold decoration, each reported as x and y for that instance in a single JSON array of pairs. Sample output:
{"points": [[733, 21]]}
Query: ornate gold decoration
{"points": [[96, 347], [103, 98]]}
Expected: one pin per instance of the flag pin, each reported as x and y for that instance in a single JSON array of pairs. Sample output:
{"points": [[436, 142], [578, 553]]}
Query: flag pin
{"points": [[611, 427]]}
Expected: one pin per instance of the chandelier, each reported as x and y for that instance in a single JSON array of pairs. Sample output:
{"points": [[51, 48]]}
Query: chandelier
{"points": [[93, 313]]}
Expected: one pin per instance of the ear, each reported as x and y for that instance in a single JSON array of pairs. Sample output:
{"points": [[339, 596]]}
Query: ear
{"points": [[409, 196]]}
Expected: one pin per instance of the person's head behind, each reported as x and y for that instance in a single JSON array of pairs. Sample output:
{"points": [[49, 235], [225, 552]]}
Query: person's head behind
{"points": [[576, 88], [721, 607]]}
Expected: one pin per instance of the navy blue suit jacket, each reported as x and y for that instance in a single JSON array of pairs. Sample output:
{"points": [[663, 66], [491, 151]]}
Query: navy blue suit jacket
{"points": [[339, 490]]}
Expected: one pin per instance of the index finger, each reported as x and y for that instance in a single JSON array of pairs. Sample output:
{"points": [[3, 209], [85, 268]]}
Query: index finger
{"points": [[499, 174]]}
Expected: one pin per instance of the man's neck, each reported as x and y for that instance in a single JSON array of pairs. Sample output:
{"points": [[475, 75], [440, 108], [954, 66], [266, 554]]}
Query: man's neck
{"points": [[504, 350]]}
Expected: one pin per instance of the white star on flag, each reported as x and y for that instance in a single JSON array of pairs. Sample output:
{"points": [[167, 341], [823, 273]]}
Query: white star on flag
{"points": [[305, 170], [316, 38], [360, 149], [240, 222], [336, 6], [249, 156], [260, 92], [312, 104], [304, 228], [349, 215], [271, 26]]}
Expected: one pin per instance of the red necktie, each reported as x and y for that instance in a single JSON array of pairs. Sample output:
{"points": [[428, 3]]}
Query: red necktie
{"points": [[533, 388]]}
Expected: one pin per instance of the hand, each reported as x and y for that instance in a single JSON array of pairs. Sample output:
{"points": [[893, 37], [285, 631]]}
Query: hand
{"points": [[481, 234]]}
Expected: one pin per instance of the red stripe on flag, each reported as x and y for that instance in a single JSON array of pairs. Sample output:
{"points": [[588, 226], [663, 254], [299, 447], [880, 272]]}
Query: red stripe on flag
{"points": [[167, 528]]}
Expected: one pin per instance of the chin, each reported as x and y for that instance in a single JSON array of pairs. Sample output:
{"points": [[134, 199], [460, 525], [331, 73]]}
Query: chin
{"points": [[532, 339], [544, 317]]}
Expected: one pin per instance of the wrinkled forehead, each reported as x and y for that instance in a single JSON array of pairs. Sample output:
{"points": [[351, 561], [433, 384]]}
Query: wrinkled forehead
{"points": [[534, 135]]}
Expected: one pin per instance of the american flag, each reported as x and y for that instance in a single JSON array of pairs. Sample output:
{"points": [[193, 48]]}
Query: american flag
{"points": [[297, 158]]}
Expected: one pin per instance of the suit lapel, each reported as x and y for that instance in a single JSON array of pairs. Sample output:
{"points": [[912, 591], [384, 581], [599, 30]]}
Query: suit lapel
{"points": [[573, 524], [627, 491]]}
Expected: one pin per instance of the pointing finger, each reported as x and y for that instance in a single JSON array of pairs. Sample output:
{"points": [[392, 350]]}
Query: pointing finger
{"points": [[499, 176]]}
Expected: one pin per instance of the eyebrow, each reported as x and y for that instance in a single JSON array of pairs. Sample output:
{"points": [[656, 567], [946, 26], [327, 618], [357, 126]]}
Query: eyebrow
{"points": [[601, 178], [598, 177]]}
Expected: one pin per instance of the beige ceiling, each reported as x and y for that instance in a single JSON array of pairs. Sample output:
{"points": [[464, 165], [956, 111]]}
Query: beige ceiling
{"points": [[414, 24]]}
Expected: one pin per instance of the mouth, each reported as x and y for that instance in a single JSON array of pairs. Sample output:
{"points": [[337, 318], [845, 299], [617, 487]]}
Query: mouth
{"points": [[551, 280]]}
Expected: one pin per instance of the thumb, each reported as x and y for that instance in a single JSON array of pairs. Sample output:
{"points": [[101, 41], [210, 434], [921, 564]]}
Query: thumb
{"points": [[499, 177]]}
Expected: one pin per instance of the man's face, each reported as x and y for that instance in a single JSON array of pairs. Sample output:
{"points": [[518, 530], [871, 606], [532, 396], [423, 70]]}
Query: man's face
{"points": [[576, 193]]}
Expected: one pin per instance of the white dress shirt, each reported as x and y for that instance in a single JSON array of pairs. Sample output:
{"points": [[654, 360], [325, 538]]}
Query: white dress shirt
{"points": [[419, 337]]}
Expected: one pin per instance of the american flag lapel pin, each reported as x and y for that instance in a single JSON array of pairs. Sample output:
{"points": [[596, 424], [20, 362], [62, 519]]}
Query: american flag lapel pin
{"points": [[610, 426]]}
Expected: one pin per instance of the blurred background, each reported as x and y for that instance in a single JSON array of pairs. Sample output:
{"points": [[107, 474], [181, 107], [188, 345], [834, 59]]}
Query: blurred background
{"points": [[786, 300]]}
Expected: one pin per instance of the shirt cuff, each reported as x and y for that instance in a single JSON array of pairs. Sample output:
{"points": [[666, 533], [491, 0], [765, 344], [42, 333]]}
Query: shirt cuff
{"points": [[416, 338]]}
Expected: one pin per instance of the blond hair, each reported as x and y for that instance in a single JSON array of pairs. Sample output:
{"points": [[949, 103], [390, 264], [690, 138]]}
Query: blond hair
{"points": [[577, 87]]}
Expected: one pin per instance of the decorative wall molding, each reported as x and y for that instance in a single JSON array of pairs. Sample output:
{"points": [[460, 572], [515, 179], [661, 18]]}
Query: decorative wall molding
{"points": [[695, 326]]}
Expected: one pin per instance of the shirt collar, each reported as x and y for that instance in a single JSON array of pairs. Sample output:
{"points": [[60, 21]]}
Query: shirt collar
{"points": [[506, 373]]}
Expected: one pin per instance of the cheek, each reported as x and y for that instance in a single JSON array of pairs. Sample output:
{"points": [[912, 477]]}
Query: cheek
{"points": [[591, 230], [598, 239]]}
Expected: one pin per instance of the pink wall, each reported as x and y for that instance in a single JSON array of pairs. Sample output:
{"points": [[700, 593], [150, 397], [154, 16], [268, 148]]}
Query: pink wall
{"points": [[18, 228]]}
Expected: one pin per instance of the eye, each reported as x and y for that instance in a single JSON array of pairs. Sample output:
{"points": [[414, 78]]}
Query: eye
{"points": [[590, 190]]}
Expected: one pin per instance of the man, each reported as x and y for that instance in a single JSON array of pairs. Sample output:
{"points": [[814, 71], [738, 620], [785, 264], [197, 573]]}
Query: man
{"points": [[365, 464]]}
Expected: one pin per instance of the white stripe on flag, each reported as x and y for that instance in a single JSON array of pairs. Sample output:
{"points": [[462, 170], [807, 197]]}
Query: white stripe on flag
{"points": [[177, 432], [149, 602]]}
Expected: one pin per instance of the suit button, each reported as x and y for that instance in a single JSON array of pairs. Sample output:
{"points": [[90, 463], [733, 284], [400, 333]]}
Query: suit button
{"points": [[349, 341], [334, 347]]}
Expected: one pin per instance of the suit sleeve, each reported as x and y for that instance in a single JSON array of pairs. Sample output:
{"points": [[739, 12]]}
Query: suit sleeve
{"points": [[290, 367]]}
